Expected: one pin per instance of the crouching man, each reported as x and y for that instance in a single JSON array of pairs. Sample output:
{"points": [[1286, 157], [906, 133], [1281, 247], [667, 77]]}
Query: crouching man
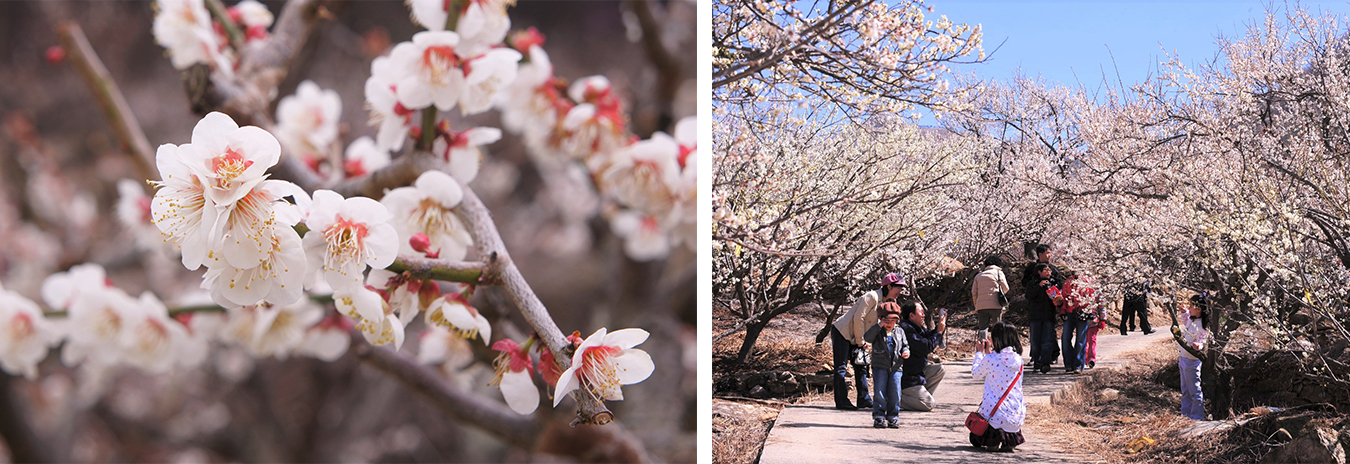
{"points": [[920, 379]]}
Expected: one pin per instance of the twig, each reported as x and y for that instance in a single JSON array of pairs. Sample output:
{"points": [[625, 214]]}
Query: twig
{"points": [[495, 418], [222, 16], [468, 272], [401, 172], [109, 98], [488, 242]]}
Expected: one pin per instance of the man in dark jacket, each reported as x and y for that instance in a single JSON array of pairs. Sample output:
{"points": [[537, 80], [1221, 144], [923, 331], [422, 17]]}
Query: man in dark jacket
{"points": [[1029, 276], [1136, 302], [920, 379], [1041, 315]]}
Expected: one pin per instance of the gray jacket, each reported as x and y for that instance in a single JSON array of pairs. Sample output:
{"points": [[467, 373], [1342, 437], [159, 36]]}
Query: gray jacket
{"points": [[883, 356]]}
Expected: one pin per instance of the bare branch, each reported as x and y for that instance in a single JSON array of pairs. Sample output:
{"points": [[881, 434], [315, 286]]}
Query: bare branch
{"points": [[109, 98], [468, 272], [493, 417]]}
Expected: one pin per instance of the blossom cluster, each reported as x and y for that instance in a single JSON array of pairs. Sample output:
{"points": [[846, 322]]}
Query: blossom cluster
{"points": [[264, 242], [192, 36], [652, 183]]}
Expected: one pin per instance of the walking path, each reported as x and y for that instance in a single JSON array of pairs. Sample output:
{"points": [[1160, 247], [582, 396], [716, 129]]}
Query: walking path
{"points": [[818, 433]]}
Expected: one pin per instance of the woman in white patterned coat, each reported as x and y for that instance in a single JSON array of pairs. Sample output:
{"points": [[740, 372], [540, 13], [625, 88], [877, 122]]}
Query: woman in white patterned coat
{"points": [[998, 361]]}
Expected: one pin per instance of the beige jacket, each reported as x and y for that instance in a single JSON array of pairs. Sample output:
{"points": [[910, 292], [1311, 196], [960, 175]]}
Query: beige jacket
{"points": [[987, 283], [860, 317]]}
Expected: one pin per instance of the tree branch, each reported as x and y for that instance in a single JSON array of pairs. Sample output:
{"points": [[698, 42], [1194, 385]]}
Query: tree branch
{"points": [[109, 99], [493, 417], [488, 241], [468, 272]]}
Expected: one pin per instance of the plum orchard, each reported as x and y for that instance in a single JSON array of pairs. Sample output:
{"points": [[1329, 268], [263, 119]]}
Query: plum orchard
{"points": [[1229, 178]]}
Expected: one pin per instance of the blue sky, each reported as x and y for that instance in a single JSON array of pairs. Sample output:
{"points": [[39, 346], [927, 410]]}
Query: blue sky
{"points": [[1072, 42]]}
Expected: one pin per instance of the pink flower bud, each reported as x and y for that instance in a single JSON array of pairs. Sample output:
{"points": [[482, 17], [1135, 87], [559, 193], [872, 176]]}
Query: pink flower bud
{"points": [[56, 54]]}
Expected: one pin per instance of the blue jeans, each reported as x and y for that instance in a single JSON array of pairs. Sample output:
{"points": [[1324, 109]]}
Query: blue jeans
{"points": [[842, 351], [1042, 342], [886, 396], [1074, 343], [1192, 399]]}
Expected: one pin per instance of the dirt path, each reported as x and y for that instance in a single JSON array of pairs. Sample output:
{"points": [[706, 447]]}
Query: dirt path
{"points": [[819, 433]]}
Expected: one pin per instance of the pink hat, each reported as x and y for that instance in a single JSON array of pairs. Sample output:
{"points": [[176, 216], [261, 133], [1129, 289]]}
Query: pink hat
{"points": [[892, 278]]}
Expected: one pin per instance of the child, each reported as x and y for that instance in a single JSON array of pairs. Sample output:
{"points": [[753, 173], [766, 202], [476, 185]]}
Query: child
{"points": [[1097, 324], [1196, 317], [889, 348], [998, 361]]}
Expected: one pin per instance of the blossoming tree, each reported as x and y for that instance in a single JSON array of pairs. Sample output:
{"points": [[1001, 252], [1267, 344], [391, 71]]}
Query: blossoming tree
{"points": [[304, 236]]}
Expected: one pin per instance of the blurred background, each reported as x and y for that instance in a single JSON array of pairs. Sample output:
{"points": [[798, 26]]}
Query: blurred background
{"points": [[59, 166]]}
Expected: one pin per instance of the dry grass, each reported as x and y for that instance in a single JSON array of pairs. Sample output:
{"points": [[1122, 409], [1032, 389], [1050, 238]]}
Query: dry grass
{"points": [[739, 430], [1080, 419]]}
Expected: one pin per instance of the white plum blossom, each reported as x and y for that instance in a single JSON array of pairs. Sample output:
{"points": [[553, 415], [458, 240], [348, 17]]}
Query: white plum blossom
{"points": [[487, 74], [232, 215], [25, 335], [645, 175], [228, 159], [441, 346], [461, 150], [596, 124], [372, 315], [428, 71], [363, 156], [280, 330], [531, 105], [513, 375], [481, 23], [345, 235], [603, 363], [327, 341], [254, 17], [279, 279], [394, 119], [644, 237], [183, 27], [452, 312], [95, 323], [426, 208], [406, 296], [62, 289], [154, 342], [307, 122]]}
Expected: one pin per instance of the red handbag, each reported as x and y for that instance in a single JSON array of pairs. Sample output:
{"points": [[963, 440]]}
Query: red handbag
{"points": [[977, 423]]}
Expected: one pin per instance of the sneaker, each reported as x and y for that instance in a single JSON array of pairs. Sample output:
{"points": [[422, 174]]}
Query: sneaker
{"points": [[1045, 369], [993, 447], [1092, 364], [1146, 332], [846, 407], [865, 405], [878, 424], [1124, 333], [893, 424]]}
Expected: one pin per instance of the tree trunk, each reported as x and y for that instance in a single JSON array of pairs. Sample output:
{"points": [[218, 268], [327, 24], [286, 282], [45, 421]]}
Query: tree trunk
{"points": [[752, 332]]}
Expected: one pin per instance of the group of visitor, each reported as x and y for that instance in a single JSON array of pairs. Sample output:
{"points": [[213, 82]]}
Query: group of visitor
{"points": [[889, 334], [893, 332]]}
